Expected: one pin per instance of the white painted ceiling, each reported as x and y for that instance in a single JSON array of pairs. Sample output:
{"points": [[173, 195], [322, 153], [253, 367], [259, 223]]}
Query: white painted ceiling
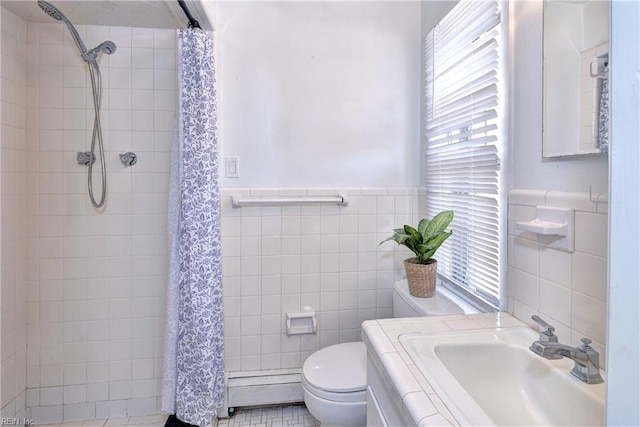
{"points": [[120, 13]]}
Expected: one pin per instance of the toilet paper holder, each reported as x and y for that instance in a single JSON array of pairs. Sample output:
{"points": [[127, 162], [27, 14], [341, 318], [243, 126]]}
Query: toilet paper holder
{"points": [[302, 323]]}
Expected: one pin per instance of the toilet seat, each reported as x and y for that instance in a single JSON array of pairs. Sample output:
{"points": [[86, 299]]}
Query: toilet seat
{"points": [[345, 381], [344, 397]]}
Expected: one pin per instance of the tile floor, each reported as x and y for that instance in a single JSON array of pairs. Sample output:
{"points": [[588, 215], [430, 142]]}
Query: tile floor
{"points": [[272, 416]]}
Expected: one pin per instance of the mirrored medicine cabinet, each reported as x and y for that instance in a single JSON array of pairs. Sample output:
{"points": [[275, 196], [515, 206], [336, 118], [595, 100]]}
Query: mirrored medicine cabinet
{"points": [[575, 73]]}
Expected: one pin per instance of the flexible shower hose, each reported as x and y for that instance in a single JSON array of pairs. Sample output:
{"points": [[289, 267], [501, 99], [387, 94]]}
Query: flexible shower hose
{"points": [[96, 85]]}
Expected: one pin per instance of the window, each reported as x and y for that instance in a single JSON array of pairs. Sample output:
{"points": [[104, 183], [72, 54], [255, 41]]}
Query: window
{"points": [[465, 128]]}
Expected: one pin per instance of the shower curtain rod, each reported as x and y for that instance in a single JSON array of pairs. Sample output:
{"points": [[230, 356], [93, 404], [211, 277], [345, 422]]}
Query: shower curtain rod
{"points": [[192, 22]]}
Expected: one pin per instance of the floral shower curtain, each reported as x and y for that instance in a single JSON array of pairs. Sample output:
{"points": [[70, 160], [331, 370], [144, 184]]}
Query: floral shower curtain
{"points": [[193, 378]]}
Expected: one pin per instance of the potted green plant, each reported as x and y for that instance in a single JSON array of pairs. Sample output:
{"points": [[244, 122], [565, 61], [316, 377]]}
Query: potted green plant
{"points": [[423, 242]]}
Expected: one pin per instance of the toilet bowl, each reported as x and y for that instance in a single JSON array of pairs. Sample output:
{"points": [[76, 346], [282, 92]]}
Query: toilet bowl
{"points": [[334, 384], [334, 379]]}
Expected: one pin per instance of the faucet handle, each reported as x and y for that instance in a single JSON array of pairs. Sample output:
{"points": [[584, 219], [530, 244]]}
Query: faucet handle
{"points": [[548, 334], [585, 347]]}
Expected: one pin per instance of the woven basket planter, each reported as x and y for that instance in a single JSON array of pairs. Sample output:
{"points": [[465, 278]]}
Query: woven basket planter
{"points": [[421, 277]]}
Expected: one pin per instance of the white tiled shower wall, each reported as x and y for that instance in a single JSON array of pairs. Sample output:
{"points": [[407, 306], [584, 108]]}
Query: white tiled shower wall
{"points": [[96, 279], [328, 258], [568, 290], [13, 152]]}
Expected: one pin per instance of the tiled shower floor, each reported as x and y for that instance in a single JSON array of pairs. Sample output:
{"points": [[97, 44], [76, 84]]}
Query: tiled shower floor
{"points": [[274, 416]]}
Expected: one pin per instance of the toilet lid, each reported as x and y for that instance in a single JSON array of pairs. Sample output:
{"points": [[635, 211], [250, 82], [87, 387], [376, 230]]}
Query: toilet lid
{"points": [[338, 368]]}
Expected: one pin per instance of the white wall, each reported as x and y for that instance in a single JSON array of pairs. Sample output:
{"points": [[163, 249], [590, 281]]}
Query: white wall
{"points": [[623, 383], [320, 93], [432, 11], [595, 26], [316, 98], [13, 151], [530, 171]]}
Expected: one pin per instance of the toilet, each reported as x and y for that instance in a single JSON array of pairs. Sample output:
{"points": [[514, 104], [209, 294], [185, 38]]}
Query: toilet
{"points": [[334, 379], [334, 384]]}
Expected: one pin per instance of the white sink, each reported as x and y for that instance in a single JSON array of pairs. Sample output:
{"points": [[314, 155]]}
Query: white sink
{"points": [[490, 377]]}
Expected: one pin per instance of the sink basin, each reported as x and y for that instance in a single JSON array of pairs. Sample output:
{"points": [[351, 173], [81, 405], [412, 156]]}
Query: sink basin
{"points": [[490, 377]]}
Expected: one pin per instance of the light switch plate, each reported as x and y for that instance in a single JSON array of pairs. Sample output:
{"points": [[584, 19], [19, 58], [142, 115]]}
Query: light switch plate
{"points": [[231, 167]]}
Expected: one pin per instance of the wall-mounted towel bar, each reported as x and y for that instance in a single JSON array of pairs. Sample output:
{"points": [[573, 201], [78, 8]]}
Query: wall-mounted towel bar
{"points": [[239, 202]]}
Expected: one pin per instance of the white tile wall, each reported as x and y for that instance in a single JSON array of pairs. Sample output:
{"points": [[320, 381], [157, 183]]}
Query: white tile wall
{"points": [[96, 279], [282, 259], [13, 264], [569, 290]]}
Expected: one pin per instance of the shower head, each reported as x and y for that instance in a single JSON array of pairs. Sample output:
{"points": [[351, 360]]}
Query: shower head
{"points": [[107, 47], [51, 10], [55, 13]]}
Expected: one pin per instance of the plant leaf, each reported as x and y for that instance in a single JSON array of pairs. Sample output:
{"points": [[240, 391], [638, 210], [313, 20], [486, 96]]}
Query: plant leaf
{"points": [[422, 226], [438, 224], [424, 241], [430, 254], [411, 244], [435, 242], [387, 239], [400, 239], [421, 251], [411, 231]]}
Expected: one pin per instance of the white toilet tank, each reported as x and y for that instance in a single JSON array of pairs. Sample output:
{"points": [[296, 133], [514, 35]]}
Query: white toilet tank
{"points": [[444, 302]]}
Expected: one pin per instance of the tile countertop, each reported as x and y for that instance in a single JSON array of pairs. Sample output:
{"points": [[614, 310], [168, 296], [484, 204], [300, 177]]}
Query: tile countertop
{"points": [[420, 405]]}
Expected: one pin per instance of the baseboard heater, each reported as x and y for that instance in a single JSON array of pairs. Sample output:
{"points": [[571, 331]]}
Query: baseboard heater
{"points": [[260, 388]]}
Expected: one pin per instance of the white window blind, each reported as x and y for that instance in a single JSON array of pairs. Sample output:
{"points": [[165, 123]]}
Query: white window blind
{"points": [[464, 127]]}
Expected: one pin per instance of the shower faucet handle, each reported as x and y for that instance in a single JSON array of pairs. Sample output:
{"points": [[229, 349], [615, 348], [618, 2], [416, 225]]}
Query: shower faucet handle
{"points": [[128, 159], [83, 158]]}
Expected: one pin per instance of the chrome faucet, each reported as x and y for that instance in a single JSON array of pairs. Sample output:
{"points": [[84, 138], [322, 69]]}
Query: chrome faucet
{"points": [[587, 360]]}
